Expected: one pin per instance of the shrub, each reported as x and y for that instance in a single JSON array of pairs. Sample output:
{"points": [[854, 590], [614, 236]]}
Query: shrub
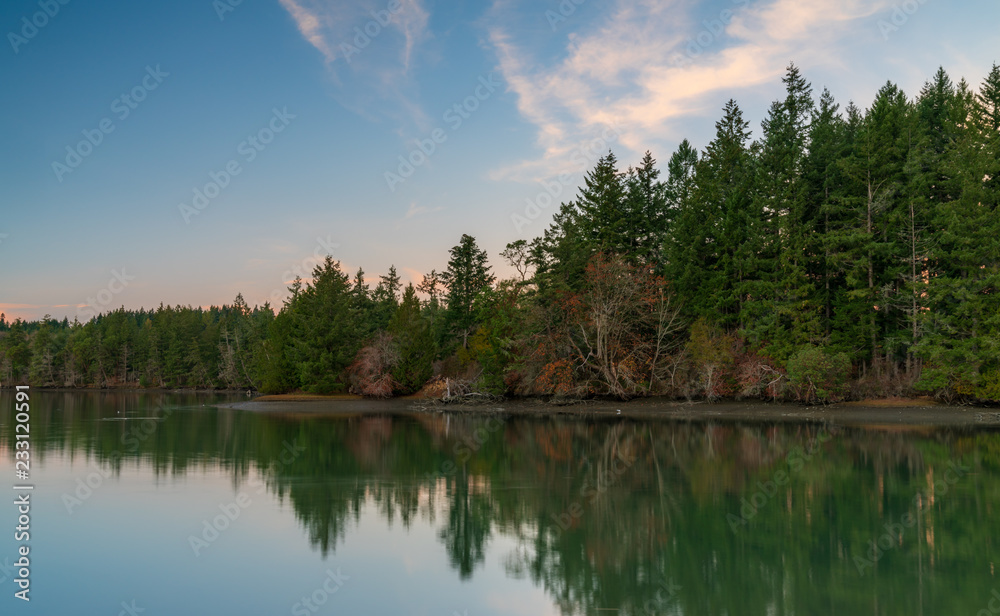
{"points": [[756, 377], [371, 374], [712, 357], [817, 376]]}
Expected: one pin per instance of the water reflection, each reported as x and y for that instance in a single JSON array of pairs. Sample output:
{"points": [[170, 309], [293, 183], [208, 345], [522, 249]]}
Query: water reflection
{"points": [[642, 517]]}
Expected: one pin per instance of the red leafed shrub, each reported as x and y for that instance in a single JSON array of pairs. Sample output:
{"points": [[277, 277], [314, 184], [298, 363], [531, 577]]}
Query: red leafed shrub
{"points": [[613, 337], [756, 378], [371, 373], [556, 377]]}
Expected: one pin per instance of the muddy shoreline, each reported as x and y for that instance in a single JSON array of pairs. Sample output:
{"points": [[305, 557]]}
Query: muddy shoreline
{"points": [[896, 414]]}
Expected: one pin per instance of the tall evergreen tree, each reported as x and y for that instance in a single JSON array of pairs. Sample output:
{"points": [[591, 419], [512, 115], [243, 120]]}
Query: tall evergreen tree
{"points": [[724, 182], [824, 187], [930, 133], [686, 245], [385, 300], [597, 221], [412, 335], [782, 312], [646, 217], [875, 167], [961, 324], [326, 330], [601, 215], [467, 276]]}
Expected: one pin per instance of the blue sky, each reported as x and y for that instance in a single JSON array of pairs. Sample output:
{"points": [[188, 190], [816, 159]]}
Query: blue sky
{"points": [[117, 115]]}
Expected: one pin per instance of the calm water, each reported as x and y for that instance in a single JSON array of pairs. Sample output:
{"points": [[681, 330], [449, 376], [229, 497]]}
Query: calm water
{"points": [[193, 509]]}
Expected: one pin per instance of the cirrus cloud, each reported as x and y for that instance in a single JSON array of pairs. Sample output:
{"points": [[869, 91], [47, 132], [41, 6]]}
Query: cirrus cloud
{"points": [[623, 68]]}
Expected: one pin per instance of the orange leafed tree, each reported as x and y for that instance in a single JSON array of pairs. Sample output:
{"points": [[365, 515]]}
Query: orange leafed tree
{"points": [[620, 331]]}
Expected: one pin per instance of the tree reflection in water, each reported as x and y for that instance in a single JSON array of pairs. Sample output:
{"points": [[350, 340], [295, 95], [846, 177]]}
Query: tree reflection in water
{"points": [[605, 513]]}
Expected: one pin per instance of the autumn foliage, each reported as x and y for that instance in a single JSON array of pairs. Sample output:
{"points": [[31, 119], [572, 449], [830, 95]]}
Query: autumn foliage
{"points": [[371, 374], [614, 337]]}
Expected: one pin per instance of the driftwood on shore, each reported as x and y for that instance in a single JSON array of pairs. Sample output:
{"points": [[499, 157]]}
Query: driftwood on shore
{"points": [[463, 391], [457, 391]]}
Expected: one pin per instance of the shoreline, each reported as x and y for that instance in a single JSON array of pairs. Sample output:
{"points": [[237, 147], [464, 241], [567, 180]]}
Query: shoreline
{"points": [[892, 415], [549, 401], [886, 413]]}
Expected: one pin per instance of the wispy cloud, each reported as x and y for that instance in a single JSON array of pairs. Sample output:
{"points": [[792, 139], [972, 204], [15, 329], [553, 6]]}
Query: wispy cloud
{"points": [[370, 48], [308, 22], [415, 275], [414, 210], [417, 210], [625, 70]]}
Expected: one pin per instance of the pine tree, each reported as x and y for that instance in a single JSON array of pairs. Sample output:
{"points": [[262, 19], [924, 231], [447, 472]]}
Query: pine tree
{"points": [[467, 276], [685, 245], [783, 313], [930, 134], [875, 168], [959, 345], [596, 221], [325, 330], [601, 216], [412, 335], [385, 298], [645, 215], [824, 191], [724, 181]]}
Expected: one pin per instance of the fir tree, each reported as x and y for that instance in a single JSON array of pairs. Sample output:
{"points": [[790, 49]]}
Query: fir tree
{"points": [[467, 276]]}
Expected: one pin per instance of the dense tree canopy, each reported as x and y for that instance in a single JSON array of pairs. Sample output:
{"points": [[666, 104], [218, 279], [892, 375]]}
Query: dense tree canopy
{"points": [[865, 239]]}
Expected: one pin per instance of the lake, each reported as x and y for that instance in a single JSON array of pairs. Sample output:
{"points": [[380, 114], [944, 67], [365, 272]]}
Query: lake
{"points": [[169, 504]]}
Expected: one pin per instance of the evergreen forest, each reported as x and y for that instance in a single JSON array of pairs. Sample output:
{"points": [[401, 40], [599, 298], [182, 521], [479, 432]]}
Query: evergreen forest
{"points": [[842, 253]]}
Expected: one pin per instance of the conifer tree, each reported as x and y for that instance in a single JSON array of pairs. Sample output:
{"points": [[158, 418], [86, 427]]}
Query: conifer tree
{"points": [[724, 182], [686, 241], [824, 187], [412, 335], [875, 168], [467, 276], [781, 309], [646, 217]]}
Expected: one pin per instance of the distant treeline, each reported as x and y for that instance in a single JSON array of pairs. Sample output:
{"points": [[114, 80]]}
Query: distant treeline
{"points": [[850, 253]]}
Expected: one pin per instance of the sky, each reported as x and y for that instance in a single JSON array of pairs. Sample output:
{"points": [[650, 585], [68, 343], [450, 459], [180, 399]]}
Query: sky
{"points": [[184, 152]]}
